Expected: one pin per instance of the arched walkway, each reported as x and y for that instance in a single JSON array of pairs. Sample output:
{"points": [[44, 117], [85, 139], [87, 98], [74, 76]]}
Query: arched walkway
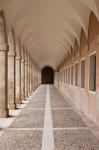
{"points": [[49, 66]]}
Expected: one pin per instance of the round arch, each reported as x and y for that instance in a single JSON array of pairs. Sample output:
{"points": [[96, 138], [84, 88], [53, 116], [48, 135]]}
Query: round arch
{"points": [[47, 75]]}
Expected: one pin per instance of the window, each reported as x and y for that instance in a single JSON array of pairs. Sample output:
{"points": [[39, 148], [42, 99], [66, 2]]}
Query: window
{"points": [[72, 74], [76, 74], [82, 74], [64, 76], [92, 79], [68, 75], [60, 76]]}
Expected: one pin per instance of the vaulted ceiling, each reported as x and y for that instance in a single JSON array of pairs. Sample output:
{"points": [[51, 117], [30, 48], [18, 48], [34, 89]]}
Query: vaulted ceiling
{"points": [[48, 28]]}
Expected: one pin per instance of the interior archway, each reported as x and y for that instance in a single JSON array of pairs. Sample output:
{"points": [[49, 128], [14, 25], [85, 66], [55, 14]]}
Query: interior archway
{"points": [[47, 75]]}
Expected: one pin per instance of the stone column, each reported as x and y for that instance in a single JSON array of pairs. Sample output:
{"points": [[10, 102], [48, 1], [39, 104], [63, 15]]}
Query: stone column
{"points": [[34, 77], [22, 78], [4, 82], [31, 76], [26, 76], [11, 80], [18, 80], [32, 81]]}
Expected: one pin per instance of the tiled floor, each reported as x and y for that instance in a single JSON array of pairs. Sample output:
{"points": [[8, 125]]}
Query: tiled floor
{"points": [[48, 119]]}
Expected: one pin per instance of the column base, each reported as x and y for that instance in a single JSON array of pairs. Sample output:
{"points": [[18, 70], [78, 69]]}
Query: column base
{"points": [[11, 106], [29, 94], [4, 113], [19, 102], [26, 96], [23, 97]]}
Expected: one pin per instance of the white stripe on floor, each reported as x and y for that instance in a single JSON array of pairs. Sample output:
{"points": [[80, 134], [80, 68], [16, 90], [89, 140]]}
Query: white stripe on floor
{"points": [[62, 108], [24, 129], [40, 129], [48, 139], [72, 128]]}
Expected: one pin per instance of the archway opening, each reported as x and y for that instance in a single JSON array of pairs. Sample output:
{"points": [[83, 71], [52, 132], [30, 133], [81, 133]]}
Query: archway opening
{"points": [[47, 75]]}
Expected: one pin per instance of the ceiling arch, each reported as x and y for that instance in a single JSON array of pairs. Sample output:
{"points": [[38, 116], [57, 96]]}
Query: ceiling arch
{"points": [[47, 29]]}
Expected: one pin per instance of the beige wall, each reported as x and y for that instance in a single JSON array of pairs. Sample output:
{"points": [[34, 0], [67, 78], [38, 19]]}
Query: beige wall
{"points": [[83, 98]]}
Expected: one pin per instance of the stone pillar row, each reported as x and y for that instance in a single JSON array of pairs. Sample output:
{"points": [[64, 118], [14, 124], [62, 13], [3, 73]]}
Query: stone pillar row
{"points": [[3, 82], [17, 79]]}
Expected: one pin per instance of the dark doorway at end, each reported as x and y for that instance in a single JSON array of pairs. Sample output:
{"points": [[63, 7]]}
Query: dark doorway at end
{"points": [[47, 75]]}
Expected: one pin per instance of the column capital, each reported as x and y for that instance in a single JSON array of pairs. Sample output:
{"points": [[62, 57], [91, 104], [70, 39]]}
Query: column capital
{"points": [[22, 61], [26, 63], [11, 53], [4, 47], [18, 58]]}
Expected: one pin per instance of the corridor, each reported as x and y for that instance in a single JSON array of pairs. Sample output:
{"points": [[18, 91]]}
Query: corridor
{"points": [[49, 74], [49, 122]]}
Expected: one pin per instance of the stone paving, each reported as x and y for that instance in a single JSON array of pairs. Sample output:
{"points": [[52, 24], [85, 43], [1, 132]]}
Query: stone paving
{"points": [[78, 139], [21, 140], [29, 118], [66, 118], [70, 130]]}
